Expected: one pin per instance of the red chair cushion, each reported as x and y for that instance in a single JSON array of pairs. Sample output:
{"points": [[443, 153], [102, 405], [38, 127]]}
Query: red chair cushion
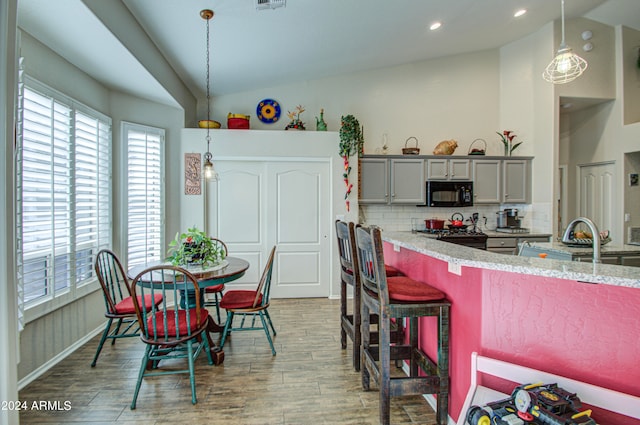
{"points": [[214, 289], [405, 289], [126, 305], [391, 271], [239, 299], [183, 326]]}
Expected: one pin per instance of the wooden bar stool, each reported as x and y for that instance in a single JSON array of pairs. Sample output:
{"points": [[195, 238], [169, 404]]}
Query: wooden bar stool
{"points": [[350, 323], [400, 297]]}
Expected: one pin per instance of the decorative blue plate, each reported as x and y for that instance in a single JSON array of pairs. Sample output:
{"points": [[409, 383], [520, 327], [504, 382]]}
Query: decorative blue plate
{"points": [[268, 111]]}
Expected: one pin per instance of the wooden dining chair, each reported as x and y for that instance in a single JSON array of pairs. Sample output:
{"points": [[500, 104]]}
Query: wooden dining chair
{"points": [[250, 304], [216, 291], [117, 298], [169, 332]]}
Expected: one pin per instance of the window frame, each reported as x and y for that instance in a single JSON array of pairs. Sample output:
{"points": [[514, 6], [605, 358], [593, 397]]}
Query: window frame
{"points": [[36, 308]]}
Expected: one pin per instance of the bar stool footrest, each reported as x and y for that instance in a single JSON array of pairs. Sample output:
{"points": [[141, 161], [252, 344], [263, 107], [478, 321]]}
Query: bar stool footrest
{"points": [[413, 386]]}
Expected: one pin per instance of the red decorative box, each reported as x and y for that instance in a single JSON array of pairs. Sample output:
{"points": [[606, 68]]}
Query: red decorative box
{"points": [[238, 122]]}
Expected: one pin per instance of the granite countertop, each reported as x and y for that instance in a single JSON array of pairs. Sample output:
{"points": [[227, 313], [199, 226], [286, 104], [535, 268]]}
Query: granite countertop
{"points": [[465, 256], [607, 249]]}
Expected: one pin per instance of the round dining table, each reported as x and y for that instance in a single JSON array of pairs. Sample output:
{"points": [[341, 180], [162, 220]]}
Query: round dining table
{"points": [[232, 268]]}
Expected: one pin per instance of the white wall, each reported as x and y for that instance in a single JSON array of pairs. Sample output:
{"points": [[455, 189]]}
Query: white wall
{"points": [[449, 98], [598, 133], [128, 108], [527, 107], [630, 50]]}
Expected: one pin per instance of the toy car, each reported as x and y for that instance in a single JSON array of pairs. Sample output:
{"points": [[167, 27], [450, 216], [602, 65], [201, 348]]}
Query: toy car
{"points": [[532, 404]]}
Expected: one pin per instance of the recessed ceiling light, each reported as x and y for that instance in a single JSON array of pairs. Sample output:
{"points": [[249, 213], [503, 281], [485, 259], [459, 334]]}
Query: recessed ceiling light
{"points": [[519, 13], [435, 26]]}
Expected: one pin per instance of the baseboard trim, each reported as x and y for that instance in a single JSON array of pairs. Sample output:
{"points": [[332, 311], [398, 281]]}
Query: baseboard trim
{"points": [[58, 358]]}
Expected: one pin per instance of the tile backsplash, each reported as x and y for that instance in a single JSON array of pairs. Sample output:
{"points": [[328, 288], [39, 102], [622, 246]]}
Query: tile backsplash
{"points": [[402, 217]]}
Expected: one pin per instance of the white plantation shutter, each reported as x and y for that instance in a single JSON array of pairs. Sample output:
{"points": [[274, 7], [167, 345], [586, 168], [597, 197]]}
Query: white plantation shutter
{"points": [[92, 194], [145, 193], [63, 192]]}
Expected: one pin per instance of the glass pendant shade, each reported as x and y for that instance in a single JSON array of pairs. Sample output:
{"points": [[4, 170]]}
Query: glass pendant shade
{"points": [[209, 172], [566, 66]]}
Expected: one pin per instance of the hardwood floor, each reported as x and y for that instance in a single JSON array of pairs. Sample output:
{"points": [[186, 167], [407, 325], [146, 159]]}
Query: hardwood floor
{"points": [[309, 381]]}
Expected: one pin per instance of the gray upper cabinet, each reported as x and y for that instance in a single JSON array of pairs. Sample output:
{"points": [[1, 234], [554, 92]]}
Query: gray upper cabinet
{"points": [[449, 169], [408, 181], [401, 179], [516, 181], [374, 181], [392, 181], [497, 181], [487, 181]]}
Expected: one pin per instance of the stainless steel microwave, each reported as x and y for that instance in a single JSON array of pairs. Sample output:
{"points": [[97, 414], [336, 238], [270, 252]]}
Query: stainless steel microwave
{"points": [[449, 193]]}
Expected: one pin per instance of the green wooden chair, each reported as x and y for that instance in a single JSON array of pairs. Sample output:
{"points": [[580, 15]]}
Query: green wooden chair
{"points": [[215, 291], [169, 331], [117, 299], [250, 304]]}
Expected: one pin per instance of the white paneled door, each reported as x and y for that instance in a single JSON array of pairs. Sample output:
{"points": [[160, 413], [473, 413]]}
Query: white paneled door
{"points": [[258, 204], [598, 194]]}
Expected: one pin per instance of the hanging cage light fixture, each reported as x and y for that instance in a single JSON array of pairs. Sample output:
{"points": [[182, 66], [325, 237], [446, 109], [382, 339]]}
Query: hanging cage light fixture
{"points": [[208, 171], [566, 66]]}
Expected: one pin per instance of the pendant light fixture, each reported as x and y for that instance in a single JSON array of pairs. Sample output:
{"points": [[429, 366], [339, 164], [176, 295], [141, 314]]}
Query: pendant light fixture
{"points": [[566, 66], [207, 168]]}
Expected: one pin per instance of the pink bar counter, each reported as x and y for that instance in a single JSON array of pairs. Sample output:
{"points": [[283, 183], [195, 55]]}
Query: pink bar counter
{"points": [[572, 319]]}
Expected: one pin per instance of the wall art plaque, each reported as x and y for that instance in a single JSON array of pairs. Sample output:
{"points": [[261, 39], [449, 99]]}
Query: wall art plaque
{"points": [[192, 170]]}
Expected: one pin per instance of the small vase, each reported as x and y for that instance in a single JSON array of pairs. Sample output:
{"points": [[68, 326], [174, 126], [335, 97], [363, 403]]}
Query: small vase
{"points": [[506, 151]]}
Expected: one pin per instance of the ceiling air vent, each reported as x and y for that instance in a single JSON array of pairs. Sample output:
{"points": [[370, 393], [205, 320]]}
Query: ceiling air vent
{"points": [[270, 4]]}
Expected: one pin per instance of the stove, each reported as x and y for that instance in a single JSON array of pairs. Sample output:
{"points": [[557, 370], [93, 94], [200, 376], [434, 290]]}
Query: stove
{"points": [[467, 237]]}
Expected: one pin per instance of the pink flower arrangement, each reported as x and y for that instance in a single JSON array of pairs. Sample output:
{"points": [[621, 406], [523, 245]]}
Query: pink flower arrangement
{"points": [[507, 137]]}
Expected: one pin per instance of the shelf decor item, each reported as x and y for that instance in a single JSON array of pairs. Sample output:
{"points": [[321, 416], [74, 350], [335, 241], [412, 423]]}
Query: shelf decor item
{"points": [[411, 150], [238, 121], [507, 137], [320, 124], [296, 123], [477, 150], [268, 111], [351, 143], [194, 247], [446, 147]]}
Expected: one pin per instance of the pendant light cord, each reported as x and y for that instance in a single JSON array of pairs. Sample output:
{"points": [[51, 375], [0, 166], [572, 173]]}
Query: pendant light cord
{"points": [[208, 154], [562, 43]]}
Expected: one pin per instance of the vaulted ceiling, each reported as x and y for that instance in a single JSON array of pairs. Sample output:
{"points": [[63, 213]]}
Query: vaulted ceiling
{"points": [[307, 39]]}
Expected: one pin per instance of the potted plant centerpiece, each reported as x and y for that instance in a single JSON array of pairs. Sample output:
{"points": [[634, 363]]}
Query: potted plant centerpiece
{"points": [[194, 247]]}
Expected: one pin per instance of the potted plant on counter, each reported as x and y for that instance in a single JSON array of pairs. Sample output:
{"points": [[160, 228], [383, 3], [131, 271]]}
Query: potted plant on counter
{"points": [[194, 247]]}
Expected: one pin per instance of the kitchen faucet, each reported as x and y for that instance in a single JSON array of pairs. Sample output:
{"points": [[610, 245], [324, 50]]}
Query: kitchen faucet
{"points": [[595, 235]]}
